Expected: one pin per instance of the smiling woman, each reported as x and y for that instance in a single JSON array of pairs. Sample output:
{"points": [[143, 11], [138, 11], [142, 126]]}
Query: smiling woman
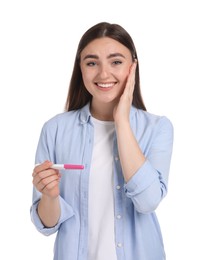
{"points": [[121, 38], [105, 66], [106, 210]]}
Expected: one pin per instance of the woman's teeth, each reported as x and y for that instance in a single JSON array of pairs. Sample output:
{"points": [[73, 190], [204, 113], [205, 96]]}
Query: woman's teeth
{"points": [[107, 85]]}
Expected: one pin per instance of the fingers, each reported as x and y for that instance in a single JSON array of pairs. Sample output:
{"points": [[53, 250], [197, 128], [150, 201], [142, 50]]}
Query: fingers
{"points": [[133, 69], [41, 167], [44, 178], [131, 79]]}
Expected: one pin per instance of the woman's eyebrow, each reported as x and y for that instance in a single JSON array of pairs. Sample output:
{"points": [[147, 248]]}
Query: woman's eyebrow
{"points": [[90, 56], [112, 55], [117, 54]]}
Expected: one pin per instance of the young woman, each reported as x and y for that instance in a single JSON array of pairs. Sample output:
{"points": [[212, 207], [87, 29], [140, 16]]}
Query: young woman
{"points": [[105, 211]]}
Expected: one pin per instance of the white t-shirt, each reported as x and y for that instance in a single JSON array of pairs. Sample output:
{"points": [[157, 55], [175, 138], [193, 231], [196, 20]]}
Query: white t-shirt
{"points": [[101, 238]]}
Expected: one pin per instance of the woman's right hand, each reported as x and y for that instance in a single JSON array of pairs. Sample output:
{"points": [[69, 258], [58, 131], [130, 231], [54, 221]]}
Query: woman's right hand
{"points": [[46, 180]]}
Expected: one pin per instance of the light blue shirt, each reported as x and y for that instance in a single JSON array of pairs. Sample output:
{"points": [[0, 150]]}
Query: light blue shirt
{"points": [[68, 138]]}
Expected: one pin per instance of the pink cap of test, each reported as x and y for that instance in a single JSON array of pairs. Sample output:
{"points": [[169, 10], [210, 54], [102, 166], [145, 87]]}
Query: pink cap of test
{"points": [[73, 166]]}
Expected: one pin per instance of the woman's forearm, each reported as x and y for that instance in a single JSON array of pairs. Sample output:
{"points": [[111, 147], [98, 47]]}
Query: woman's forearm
{"points": [[49, 210], [131, 156]]}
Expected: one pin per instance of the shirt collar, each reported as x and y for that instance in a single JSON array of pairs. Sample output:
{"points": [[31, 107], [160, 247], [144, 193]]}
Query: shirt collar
{"points": [[85, 113]]}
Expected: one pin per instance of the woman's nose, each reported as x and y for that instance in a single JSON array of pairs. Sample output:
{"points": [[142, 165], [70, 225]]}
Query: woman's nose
{"points": [[103, 71]]}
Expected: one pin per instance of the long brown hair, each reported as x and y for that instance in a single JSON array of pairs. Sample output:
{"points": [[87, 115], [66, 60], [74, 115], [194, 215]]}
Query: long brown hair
{"points": [[78, 96]]}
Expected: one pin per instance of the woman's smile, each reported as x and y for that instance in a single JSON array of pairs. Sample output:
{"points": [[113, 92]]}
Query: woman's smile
{"points": [[105, 86]]}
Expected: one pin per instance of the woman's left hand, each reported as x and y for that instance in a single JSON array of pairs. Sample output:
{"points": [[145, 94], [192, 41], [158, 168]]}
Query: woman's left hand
{"points": [[122, 110]]}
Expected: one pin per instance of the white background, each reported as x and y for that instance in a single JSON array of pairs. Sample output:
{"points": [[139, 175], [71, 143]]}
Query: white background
{"points": [[175, 41]]}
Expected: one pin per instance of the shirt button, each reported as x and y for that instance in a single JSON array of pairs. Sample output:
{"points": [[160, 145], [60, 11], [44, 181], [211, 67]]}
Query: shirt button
{"points": [[118, 216], [116, 158], [119, 244], [118, 187]]}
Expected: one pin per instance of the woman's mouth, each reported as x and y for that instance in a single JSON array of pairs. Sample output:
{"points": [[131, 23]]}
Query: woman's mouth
{"points": [[105, 85]]}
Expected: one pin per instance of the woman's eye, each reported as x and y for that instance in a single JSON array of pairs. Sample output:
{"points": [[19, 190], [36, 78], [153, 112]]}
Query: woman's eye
{"points": [[117, 62], [91, 63]]}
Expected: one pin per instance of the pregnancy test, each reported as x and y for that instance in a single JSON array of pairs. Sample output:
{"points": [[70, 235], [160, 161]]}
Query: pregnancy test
{"points": [[66, 166]]}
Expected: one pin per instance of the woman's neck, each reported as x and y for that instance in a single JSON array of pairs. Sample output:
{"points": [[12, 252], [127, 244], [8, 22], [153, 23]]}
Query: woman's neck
{"points": [[102, 111]]}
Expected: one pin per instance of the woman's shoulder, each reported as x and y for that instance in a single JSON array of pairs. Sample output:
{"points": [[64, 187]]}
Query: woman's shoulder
{"points": [[149, 115], [151, 119], [61, 117], [68, 118], [62, 121]]}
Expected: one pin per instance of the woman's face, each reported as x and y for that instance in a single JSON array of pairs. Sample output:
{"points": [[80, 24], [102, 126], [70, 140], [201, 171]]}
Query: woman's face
{"points": [[105, 65]]}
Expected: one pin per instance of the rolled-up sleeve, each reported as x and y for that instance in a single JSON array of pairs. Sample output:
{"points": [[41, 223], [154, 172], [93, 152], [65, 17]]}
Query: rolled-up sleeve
{"points": [[66, 213], [148, 186]]}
